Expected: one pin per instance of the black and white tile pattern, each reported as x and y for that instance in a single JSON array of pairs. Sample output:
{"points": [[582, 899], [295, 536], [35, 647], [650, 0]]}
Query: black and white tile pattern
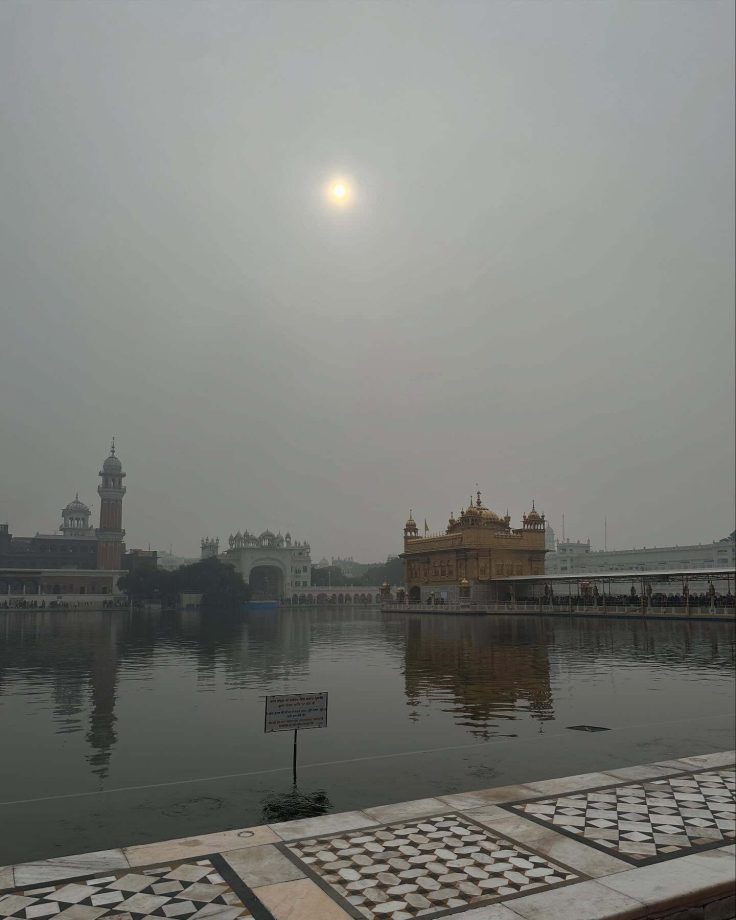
{"points": [[424, 868], [191, 890], [648, 821]]}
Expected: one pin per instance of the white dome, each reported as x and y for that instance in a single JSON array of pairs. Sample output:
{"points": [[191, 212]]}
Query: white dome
{"points": [[112, 465], [76, 507]]}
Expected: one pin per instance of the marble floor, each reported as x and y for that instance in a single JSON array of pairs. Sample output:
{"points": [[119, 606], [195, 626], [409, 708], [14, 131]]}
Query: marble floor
{"points": [[423, 868], [648, 821], [635, 842], [192, 890]]}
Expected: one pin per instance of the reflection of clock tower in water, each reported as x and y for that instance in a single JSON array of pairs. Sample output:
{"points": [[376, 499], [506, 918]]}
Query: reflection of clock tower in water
{"points": [[110, 546]]}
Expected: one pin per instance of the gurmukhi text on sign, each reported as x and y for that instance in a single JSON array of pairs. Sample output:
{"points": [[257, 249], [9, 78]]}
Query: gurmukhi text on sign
{"points": [[288, 712]]}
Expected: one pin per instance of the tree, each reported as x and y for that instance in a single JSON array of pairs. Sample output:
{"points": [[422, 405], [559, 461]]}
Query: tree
{"points": [[328, 576], [148, 585], [218, 583], [391, 571]]}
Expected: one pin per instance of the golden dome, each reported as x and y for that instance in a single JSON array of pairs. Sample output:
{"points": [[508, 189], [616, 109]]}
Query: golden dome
{"points": [[477, 513], [534, 515]]}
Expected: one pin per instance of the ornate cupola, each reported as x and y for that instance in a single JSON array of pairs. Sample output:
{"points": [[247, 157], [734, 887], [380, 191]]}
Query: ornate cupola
{"points": [[209, 547], [110, 533], [478, 515], [533, 520], [75, 519], [410, 528]]}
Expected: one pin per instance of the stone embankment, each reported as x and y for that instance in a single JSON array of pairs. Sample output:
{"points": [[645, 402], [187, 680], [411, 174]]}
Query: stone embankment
{"points": [[651, 841]]}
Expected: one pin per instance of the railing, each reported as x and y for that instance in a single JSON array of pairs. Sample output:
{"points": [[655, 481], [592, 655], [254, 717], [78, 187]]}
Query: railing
{"points": [[669, 611], [38, 603]]}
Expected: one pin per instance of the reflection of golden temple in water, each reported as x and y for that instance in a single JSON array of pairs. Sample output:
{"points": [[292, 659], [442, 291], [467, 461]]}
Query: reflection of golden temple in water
{"points": [[488, 678]]}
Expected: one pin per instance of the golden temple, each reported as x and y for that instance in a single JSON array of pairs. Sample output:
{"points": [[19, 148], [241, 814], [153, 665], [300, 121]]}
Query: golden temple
{"points": [[477, 547]]}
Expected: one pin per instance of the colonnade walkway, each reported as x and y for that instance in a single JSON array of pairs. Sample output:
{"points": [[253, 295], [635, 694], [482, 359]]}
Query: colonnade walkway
{"points": [[655, 841]]}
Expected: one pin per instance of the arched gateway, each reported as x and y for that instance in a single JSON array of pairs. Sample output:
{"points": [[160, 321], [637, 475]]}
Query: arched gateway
{"points": [[267, 578], [274, 566]]}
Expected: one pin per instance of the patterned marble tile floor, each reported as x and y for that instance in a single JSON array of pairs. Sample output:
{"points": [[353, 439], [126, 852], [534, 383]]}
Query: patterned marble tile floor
{"points": [[179, 891], [425, 868], [648, 821], [634, 842]]}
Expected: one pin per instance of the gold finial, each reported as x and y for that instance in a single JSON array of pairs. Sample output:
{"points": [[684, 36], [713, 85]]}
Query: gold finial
{"points": [[112, 447]]}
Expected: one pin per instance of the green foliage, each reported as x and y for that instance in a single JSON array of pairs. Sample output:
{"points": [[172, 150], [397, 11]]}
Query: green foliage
{"points": [[329, 576], [218, 583], [332, 576]]}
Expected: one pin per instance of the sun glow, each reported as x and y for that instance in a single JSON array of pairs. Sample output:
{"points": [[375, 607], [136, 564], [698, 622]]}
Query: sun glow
{"points": [[339, 193]]}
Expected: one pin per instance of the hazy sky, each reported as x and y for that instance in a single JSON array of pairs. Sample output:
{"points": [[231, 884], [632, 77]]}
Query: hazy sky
{"points": [[533, 289]]}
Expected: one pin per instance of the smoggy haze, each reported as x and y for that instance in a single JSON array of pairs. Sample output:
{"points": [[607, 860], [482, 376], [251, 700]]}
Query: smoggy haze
{"points": [[533, 288]]}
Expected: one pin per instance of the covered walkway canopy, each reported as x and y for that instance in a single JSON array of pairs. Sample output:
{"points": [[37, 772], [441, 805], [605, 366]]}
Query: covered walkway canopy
{"points": [[676, 586], [710, 574]]}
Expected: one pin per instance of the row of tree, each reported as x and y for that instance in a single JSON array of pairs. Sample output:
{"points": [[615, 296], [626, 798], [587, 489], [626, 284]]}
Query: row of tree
{"points": [[218, 583], [333, 576]]}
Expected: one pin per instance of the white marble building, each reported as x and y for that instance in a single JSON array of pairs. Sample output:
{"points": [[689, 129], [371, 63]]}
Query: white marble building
{"points": [[274, 565], [577, 557]]}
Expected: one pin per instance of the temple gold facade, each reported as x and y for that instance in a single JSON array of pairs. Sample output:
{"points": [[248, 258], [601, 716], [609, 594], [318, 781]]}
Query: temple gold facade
{"points": [[477, 548]]}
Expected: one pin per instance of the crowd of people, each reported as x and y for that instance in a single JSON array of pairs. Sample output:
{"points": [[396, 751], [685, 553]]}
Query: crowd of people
{"points": [[587, 596], [636, 600], [23, 603]]}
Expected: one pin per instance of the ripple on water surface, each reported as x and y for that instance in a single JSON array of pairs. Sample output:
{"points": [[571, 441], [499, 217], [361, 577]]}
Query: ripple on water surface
{"points": [[119, 699]]}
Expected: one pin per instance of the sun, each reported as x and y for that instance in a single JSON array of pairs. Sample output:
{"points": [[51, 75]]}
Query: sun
{"points": [[339, 192]]}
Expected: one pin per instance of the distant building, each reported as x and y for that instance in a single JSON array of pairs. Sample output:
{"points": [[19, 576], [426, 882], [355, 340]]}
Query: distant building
{"points": [[273, 565], [562, 557], [476, 548], [578, 557], [349, 567], [169, 561], [77, 559], [209, 548], [136, 560]]}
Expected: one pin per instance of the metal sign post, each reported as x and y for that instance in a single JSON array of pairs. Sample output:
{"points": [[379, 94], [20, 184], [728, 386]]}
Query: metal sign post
{"points": [[292, 711]]}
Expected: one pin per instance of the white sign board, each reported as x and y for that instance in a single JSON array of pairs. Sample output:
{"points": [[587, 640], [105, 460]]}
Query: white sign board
{"points": [[289, 712]]}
